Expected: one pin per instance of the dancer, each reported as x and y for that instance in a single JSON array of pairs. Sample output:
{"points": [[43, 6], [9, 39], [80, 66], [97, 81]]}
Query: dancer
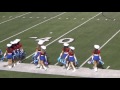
{"points": [[71, 58], [63, 54], [8, 54]]}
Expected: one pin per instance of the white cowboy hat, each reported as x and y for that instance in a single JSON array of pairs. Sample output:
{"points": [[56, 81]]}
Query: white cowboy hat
{"points": [[65, 44], [17, 40], [96, 46], [9, 45], [12, 42], [43, 47], [71, 47], [40, 42]]}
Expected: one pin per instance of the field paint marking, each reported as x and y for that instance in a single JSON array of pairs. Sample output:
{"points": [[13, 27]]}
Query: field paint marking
{"points": [[15, 18], [32, 27], [82, 18], [10, 16], [75, 18], [68, 32], [56, 63], [101, 47], [108, 67]]}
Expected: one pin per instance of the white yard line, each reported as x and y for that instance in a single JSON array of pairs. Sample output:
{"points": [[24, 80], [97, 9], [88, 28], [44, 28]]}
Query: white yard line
{"points": [[56, 63], [68, 32], [14, 18], [101, 47], [32, 27], [108, 67]]}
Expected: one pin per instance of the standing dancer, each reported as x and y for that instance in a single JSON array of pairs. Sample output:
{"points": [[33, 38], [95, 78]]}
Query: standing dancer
{"points": [[71, 58], [8, 54], [20, 51], [63, 54], [36, 54], [96, 56], [42, 57]]}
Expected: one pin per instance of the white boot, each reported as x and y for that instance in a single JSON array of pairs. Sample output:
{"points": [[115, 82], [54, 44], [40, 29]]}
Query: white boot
{"points": [[66, 65], [74, 70], [14, 65], [9, 67], [44, 67], [32, 62], [95, 69], [38, 66], [18, 62], [68, 68]]}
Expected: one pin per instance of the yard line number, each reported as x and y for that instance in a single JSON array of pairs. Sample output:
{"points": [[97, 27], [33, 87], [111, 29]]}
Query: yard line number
{"points": [[63, 40]]}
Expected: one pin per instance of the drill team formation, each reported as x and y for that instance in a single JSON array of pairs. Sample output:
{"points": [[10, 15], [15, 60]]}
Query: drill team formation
{"points": [[15, 54]]}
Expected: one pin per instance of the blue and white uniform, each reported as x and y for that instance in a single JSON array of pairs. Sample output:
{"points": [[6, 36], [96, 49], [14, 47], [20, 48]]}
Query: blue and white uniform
{"points": [[96, 56], [15, 57], [43, 56], [35, 57], [71, 57], [9, 53], [65, 52], [63, 55], [20, 50]]}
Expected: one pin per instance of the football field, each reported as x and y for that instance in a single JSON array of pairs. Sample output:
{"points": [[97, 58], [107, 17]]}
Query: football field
{"points": [[80, 29]]}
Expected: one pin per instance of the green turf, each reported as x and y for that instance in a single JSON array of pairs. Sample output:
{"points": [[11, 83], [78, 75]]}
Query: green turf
{"points": [[9, 15], [93, 32]]}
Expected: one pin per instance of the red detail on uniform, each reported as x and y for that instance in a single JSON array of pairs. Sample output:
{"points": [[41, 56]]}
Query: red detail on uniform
{"points": [[14, 47], [42, 53], [9, 50], [19, 46], [66, 50], [71, 53], [98, 52]]}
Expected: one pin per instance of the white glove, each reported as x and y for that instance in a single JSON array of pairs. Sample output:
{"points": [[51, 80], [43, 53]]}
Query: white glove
{"points": [[89, 62], [60, 55], [92, 57], [100, 57], [35, 53], [22, 50], [66, 57], [46, 57], [38, 57], [4, 54]]}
